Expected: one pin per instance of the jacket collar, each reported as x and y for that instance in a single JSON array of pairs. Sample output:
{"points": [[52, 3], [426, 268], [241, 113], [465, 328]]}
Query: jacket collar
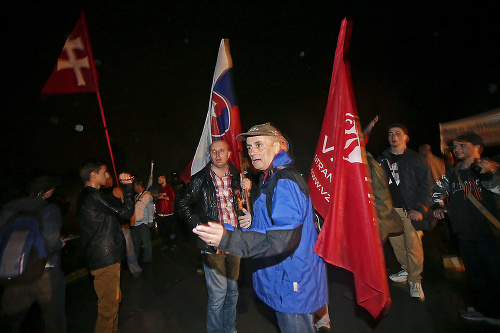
{"points": [[280, 159]]}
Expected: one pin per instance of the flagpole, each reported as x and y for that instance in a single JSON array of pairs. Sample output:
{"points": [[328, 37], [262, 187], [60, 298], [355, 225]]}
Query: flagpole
{"points": [[246, 194], [94, 73], [107, 136]]}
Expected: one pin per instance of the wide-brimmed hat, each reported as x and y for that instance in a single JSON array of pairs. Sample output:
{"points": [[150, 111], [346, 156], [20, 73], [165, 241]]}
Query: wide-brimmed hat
{"points": [[258, 130]]}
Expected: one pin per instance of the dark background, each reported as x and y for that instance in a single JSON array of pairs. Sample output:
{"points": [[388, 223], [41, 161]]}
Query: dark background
{"points": [[419, 64]]}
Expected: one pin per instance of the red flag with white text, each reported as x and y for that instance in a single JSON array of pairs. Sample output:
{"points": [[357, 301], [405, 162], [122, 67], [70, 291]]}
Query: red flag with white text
{"points": [[75, 69], [223, 116], [341, 191]]}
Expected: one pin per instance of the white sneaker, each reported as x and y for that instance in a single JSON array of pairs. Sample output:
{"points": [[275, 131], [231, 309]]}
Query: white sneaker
{"points": [[416, 290], [401, 276]]}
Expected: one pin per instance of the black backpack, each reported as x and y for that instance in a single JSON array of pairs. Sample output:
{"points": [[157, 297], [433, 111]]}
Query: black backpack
{"points": [[23, 254]]}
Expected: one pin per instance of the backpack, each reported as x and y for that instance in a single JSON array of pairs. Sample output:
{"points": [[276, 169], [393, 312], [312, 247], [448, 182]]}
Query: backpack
{"points": [[23, 254]]}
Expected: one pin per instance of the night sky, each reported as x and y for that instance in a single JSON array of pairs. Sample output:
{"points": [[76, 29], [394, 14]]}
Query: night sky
{"points": [[418, 64]]}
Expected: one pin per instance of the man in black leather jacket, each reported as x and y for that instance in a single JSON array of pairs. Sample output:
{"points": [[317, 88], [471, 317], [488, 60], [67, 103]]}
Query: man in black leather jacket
{"points": [[102, 240], [201, 201]]}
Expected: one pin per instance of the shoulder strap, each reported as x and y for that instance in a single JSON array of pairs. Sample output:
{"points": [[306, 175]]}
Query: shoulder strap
{"points": [[476, 203], [285, 172]]}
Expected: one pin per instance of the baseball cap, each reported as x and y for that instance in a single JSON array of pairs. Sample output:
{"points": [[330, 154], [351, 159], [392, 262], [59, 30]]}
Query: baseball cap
{"points": [[43, 184], [258, 130], [471, 137]]}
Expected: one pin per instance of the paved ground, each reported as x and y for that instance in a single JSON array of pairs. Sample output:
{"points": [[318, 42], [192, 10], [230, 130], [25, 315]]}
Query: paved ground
{"points": [[171, 296]]}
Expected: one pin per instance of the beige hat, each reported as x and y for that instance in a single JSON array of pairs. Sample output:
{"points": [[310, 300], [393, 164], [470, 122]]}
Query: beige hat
{"points": [[258, 130]]}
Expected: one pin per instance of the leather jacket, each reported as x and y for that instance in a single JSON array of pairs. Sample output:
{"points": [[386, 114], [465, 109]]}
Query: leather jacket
{"points": [[102, 239], [197, 202]]}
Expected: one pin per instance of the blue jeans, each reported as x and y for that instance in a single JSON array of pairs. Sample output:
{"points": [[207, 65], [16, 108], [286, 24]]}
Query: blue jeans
{"points": [[221, 275], [295, 323], [142, 235]]}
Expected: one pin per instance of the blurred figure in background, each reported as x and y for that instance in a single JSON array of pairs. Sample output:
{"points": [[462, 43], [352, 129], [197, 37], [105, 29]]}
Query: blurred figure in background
{"points": [[142, 221], [165, 217], [436, 165]]}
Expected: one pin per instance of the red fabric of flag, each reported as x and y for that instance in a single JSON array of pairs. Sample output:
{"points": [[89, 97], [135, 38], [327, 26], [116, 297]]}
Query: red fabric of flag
{"points": [[75, 69], [341, 191]]}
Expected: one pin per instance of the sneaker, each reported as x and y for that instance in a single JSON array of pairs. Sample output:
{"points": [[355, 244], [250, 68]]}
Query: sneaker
{"points": [[401, 276], [472, 314], [416, 290]]}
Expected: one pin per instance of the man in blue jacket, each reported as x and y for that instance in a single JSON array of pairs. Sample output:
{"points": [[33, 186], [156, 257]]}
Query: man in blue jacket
{"points": [[289, 276]]}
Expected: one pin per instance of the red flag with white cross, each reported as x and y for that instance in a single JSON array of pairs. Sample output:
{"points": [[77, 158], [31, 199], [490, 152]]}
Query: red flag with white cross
{"points": [[75, 70]]}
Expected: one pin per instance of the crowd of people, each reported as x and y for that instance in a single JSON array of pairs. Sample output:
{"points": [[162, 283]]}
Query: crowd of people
{"points": [[267, 215]]}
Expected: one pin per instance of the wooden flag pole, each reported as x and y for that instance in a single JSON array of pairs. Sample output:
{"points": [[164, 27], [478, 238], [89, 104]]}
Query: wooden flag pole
{"points": [[246, 193]]}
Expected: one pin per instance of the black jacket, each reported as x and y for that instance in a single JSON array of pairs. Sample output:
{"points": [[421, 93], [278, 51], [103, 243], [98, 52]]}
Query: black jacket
{"points": [[102, 239], [465, 217], [197, 202], [416, 179]]}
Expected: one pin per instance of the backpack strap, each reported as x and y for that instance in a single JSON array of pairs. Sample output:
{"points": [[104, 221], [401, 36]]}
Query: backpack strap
{"points": [[286, 171], [476, 202]]}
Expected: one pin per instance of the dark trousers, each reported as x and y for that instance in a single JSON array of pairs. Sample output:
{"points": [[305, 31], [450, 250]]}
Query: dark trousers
{"points": [[167, 226], [50, 294], [481, 257]]}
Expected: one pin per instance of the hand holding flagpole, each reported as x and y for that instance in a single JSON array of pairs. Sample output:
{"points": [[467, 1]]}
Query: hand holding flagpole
{"points": [[246, 184]]}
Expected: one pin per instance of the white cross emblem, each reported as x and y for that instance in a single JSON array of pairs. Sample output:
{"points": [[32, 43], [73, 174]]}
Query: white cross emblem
{"points": [[72, 61]]}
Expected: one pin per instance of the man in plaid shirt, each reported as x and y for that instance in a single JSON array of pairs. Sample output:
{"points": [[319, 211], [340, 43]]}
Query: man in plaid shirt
{"points": [[214, 195]]}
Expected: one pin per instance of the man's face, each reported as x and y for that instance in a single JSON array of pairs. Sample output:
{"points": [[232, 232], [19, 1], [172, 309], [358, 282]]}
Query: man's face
{"points": [[219, 153], [137, 188], [465, 150], [397, 137], [262, 150], [162, 181], [101, 177]]}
